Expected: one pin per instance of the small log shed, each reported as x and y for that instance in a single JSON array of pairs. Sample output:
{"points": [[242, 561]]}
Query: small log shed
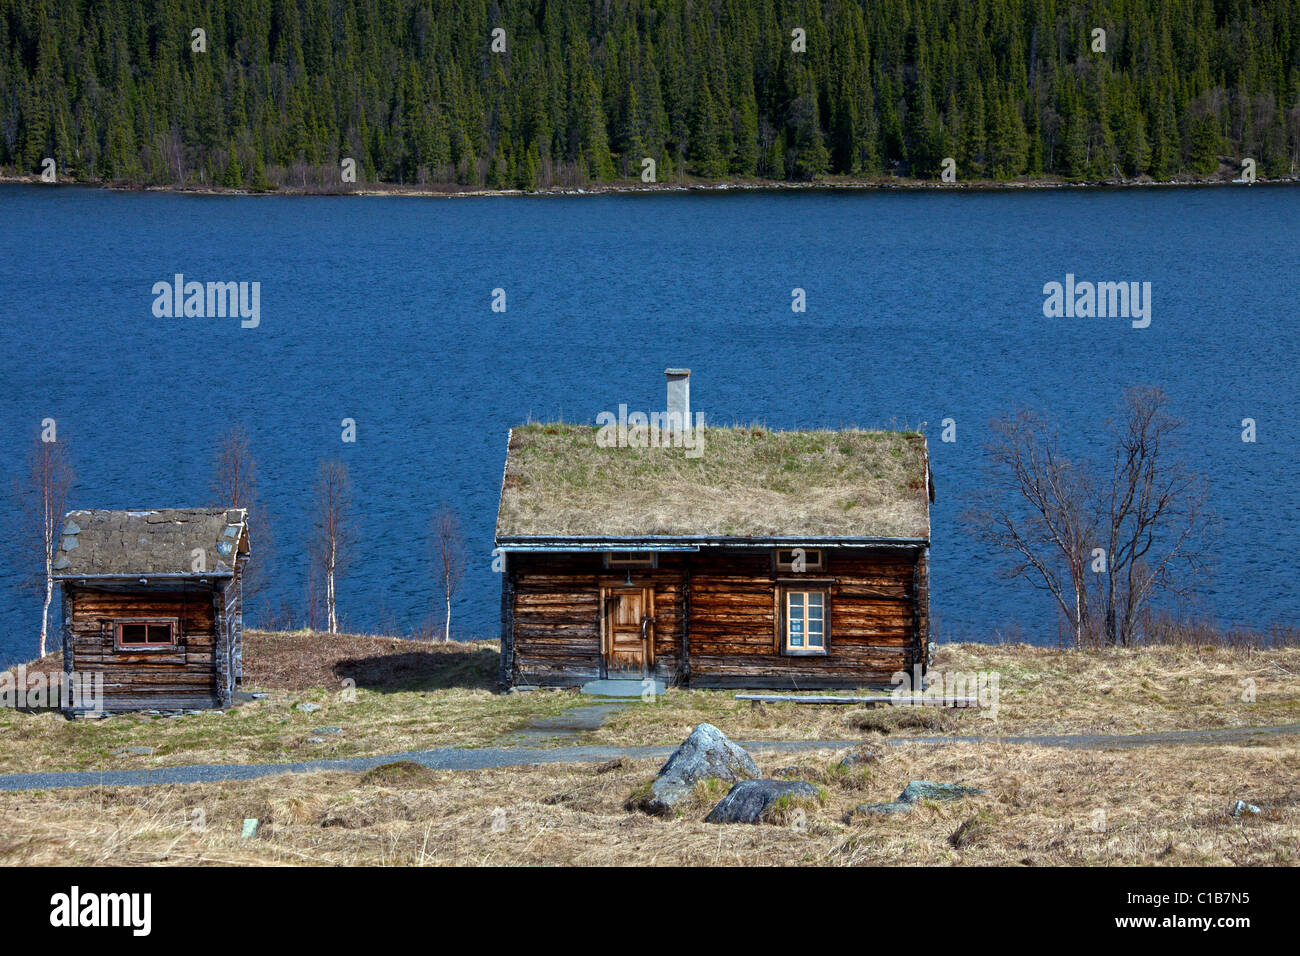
{"points": [[154, 601]]}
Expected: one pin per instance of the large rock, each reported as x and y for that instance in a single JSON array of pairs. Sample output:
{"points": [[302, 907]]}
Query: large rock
{"points": [[748, 800], [705, 754], [915, 791], [926, 790]]}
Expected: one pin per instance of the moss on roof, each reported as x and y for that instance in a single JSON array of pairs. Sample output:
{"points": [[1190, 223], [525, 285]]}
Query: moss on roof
{"points": [[748, 482], [159, 541]]}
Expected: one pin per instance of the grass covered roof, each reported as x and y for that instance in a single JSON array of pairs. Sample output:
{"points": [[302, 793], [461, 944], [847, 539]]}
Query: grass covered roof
{"points": [[747, 482]]}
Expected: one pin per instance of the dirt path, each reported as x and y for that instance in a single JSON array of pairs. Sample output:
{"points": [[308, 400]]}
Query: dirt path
{"points": [[485, 758]]}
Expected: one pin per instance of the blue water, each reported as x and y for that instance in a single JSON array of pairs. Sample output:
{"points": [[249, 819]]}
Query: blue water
{"points": [[921, 306]]}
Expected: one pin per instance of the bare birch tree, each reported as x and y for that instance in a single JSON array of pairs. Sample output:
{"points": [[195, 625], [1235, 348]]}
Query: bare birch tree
{"points": [[332, 537], [449, 559], [1153, 516], [42, 498], [1037, 509], [1139, 530]]}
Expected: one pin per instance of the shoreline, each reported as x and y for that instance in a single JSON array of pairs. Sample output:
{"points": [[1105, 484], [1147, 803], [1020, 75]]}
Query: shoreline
{"points": [[624, 188]]}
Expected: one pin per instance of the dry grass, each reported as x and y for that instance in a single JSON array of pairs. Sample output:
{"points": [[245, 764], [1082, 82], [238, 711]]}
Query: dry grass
{"points": [[1157, 806], [1163, 805], [748, 481], [1041, 691], [414, 696], [408, 696], [1134, 690], [303, 660]]}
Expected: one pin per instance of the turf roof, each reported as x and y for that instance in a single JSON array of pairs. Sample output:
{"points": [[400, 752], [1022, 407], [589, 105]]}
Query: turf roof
{"points": [[748, 482]]}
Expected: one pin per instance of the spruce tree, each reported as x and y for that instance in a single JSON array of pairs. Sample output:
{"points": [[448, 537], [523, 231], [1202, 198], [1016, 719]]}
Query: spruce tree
{"points": [[234, 177]]}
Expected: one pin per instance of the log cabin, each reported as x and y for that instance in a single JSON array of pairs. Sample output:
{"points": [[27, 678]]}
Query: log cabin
{"points": [[153, 600], [769, 560]]}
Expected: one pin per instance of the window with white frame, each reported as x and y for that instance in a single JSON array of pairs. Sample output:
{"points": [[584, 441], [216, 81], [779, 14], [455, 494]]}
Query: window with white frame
{"points": [[804, 620]]}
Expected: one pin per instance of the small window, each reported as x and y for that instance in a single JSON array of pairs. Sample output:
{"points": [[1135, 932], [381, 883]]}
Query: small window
{"points": [[630, 559], [146, 634], [798, 559], [805, 621]]}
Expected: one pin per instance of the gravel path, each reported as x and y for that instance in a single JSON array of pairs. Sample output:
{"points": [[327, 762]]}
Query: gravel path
{"points": [[453, 758]]}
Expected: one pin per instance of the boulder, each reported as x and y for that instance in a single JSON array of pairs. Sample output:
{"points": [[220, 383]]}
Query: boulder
{"points": [[926, 790], [705, 754], [748, 800], [882, 809], [914, 791], [308, 708]]}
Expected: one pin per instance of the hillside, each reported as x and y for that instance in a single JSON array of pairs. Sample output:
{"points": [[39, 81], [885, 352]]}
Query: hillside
{"points": [[283, 91]]}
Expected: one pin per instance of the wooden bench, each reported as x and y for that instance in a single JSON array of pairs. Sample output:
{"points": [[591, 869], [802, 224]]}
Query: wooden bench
{"points": [[905, 701]]}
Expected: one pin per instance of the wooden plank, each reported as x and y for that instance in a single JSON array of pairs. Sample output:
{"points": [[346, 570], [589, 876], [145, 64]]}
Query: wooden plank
{"points": [[909, 701]]}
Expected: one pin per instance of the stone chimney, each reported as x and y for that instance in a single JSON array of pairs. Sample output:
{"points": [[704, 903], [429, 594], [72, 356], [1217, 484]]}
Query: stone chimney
{"points": [[679, 399]]}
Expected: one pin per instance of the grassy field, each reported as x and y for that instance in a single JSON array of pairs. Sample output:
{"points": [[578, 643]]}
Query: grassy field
{"points": [[1041, 691], [1152, 805], [414, 695], [403, 695]]}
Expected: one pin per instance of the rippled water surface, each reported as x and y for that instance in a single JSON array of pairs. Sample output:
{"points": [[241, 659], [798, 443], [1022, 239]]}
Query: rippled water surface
{"points": [[922, 306]]}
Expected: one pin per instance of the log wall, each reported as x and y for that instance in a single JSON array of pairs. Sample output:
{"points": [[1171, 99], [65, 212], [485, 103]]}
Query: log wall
{"points": [[878, 618], [555, 617], [183, 676]]}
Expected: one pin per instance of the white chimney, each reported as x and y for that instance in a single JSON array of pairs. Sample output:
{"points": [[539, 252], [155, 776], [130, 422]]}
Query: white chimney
{"points": [[679, 399]]}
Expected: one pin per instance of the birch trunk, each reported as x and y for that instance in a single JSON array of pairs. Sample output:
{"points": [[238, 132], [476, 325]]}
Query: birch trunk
{"points": [[329, 592]]}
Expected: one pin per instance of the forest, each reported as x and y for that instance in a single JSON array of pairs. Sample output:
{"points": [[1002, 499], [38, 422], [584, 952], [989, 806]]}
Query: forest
{"points": [[266, 94]]}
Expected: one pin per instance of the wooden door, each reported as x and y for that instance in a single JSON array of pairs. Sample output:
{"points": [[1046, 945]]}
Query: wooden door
{"points": [[629, 632]]}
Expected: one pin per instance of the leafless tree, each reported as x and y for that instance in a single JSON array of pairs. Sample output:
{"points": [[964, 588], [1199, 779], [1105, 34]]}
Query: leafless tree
{"points": [[1153, 516], [235, 485], [1137, 531], [449, 558], [1036, 508], [333, 535], [42, 497]]}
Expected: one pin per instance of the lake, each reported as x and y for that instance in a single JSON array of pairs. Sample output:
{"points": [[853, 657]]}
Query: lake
{"points": [[921, 306]]}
